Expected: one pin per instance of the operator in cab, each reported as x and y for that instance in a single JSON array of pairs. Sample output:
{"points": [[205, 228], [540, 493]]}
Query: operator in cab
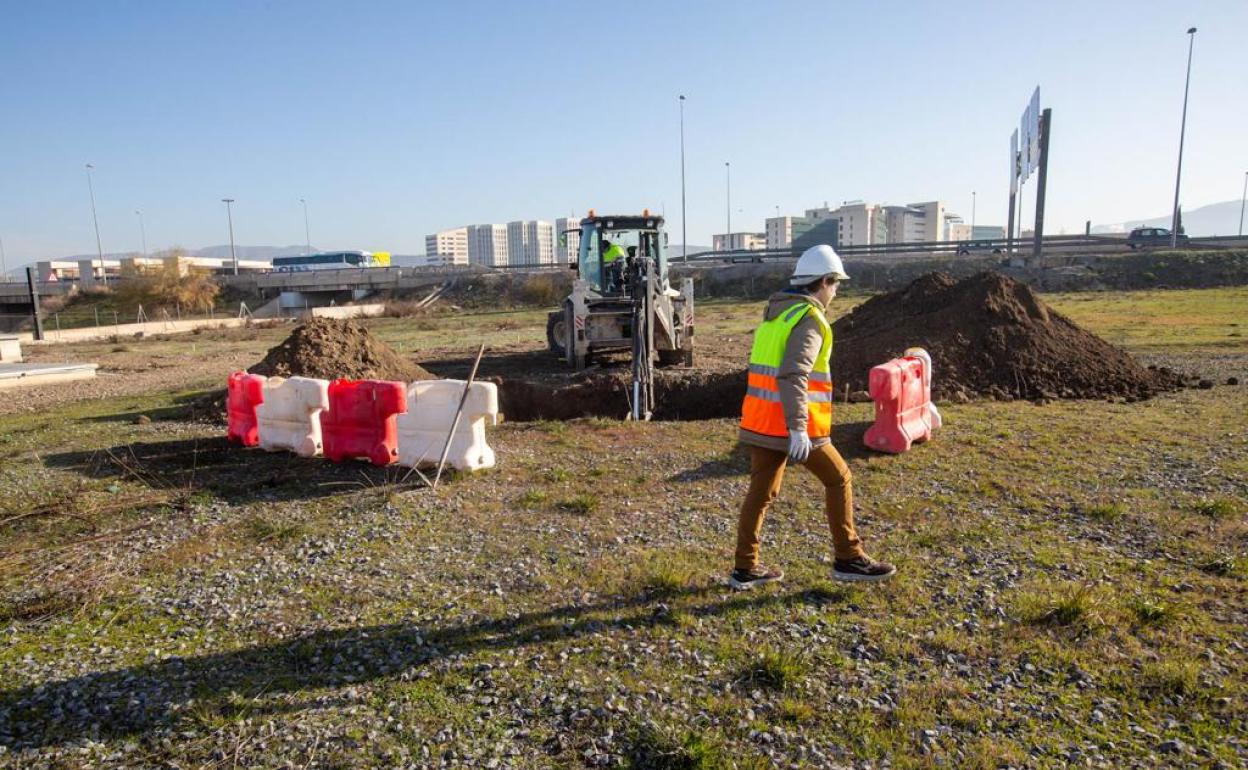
{"points": [[613, 257]]}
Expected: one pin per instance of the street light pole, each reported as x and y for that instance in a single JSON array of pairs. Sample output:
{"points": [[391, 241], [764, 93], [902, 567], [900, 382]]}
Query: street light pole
{"points": [[4, 265], [99, 248], [1178, 175], [230, 218], [142, 231], [306, 236], [684, 231], [728, 183], [972, 215], [1242, 198]]}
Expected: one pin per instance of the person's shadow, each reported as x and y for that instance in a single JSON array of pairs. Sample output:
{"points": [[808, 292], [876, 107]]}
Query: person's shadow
{"points": [[142, 699]]}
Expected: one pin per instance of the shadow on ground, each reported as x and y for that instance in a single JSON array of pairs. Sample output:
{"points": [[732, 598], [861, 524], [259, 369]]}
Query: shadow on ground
{"points": [[147, 698], [231, 473]]}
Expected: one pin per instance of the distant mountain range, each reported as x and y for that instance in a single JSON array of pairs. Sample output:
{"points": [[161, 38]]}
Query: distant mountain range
{"points": [[1214, 219]]}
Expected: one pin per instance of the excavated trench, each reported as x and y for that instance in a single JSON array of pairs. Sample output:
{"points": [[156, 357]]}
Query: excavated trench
{"points": [[536, 386]]}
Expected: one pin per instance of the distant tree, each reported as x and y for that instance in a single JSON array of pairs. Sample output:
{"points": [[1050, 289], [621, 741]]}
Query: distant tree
{"points": [[169, 286]]}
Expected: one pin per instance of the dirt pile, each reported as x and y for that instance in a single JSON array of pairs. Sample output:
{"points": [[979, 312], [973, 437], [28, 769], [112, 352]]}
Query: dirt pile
{"points": [[989, 336], [328, 348]]}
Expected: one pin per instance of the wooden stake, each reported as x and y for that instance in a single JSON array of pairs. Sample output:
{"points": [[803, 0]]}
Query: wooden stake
{"points": [[446, 449]]}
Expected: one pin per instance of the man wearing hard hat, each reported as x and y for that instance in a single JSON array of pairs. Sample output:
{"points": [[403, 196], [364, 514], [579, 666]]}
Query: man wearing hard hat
{"points": [[787, 417]]}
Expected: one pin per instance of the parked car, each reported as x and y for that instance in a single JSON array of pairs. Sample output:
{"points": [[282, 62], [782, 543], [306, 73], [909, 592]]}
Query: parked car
{"points": [[978, 247], [1152, 238]]}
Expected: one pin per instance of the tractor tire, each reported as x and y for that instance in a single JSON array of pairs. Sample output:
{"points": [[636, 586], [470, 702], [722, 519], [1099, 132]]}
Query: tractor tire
{"points": [[557, 333]]}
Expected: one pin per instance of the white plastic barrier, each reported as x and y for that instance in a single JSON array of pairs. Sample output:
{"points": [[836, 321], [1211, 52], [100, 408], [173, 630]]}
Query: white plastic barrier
{"points": [[431, 406], [290, 416]]}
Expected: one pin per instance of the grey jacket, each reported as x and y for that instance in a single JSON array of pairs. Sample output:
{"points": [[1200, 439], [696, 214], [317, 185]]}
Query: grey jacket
{"points": [[799, 358]]}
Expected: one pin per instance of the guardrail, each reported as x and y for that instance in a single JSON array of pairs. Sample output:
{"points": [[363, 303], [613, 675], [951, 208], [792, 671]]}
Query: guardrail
{"points": [[1059, 243]]}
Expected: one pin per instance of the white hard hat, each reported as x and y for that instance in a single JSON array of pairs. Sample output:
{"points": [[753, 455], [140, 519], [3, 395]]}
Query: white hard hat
{"points": [[817, 262]]}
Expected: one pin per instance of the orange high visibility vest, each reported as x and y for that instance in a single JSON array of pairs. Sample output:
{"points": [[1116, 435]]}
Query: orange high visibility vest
{"points": [[762, 412]]}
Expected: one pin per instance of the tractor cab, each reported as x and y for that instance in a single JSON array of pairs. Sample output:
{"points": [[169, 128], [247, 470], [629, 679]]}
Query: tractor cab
{"points": [[611, 246]]}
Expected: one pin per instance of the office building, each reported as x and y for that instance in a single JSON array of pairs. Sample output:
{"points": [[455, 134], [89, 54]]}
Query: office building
{"points": [[487, 245], [782, 231], [530, 242], [824, 232], [567, 239], [858, 223], [988, 232], [738, 241], [447, 247]]}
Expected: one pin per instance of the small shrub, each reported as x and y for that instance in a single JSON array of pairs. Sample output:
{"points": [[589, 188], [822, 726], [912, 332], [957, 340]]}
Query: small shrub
{"points": [[654, 748], [1170, 677], [1221, 508], [581, 504], [262, 530], [775, 669], [1064, 607], [796, 711], [1105, 511], [531, 498], [1149, 612], [1222, 566]]}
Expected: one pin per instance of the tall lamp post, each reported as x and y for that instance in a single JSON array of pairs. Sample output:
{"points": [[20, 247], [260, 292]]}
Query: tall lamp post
{"points": [[99, 248], [229, 216], [4, 265], [142, 231], [972, 215], [307, 238], [1178, 175], [1242, 198], [728, 188], [684, 230]]}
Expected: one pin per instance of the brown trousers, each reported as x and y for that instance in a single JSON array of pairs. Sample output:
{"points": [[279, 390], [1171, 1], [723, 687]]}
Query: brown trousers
{"points": [[766, 473]]}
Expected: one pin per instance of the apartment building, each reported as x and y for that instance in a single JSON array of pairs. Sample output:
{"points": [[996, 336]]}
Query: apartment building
{"points": [[567, 239], [447, 247], [738, 241], [487, 245], [530, 242]]}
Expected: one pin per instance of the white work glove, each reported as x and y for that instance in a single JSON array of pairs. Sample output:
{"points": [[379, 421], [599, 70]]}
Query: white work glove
{"points": [[799, 446]]}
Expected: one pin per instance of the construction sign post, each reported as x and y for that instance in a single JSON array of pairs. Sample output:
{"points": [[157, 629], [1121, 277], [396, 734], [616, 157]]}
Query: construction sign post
{"points": [[1029, 151]]}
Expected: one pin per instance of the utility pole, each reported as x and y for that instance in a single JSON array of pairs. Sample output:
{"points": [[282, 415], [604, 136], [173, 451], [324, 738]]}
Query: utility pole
{"points": [[684, 231], [1046, 119], [1178, 175], [1242, 198], [230, 218], [4, 266], [142, 231], [307, 238], [728, 182], [972, 215], [99, 248], [33, 287]]}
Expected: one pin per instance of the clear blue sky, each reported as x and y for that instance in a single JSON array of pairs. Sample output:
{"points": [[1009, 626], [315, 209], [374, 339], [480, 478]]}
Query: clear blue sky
{"points": [[396, 119]]}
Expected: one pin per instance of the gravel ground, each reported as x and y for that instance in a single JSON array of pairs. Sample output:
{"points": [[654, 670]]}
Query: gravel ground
{"points": [[1073, 591]]}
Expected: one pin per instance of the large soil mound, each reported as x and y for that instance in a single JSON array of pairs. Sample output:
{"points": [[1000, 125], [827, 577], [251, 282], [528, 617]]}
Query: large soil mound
{"points": [[988, 335], [329, 349]]}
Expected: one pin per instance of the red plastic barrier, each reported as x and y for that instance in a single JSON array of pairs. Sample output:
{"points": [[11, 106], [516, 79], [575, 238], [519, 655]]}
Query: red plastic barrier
{"points": [[244, 392], [361, 421], [904, 413]]}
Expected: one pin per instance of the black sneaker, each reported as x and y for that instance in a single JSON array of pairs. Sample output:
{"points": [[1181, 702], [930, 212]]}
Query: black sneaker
{"points": [[863, 569], [742, 579]]}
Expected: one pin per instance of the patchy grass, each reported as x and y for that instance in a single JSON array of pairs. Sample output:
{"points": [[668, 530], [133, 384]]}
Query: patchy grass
{"points": [[776, 669], [256, 603]]}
